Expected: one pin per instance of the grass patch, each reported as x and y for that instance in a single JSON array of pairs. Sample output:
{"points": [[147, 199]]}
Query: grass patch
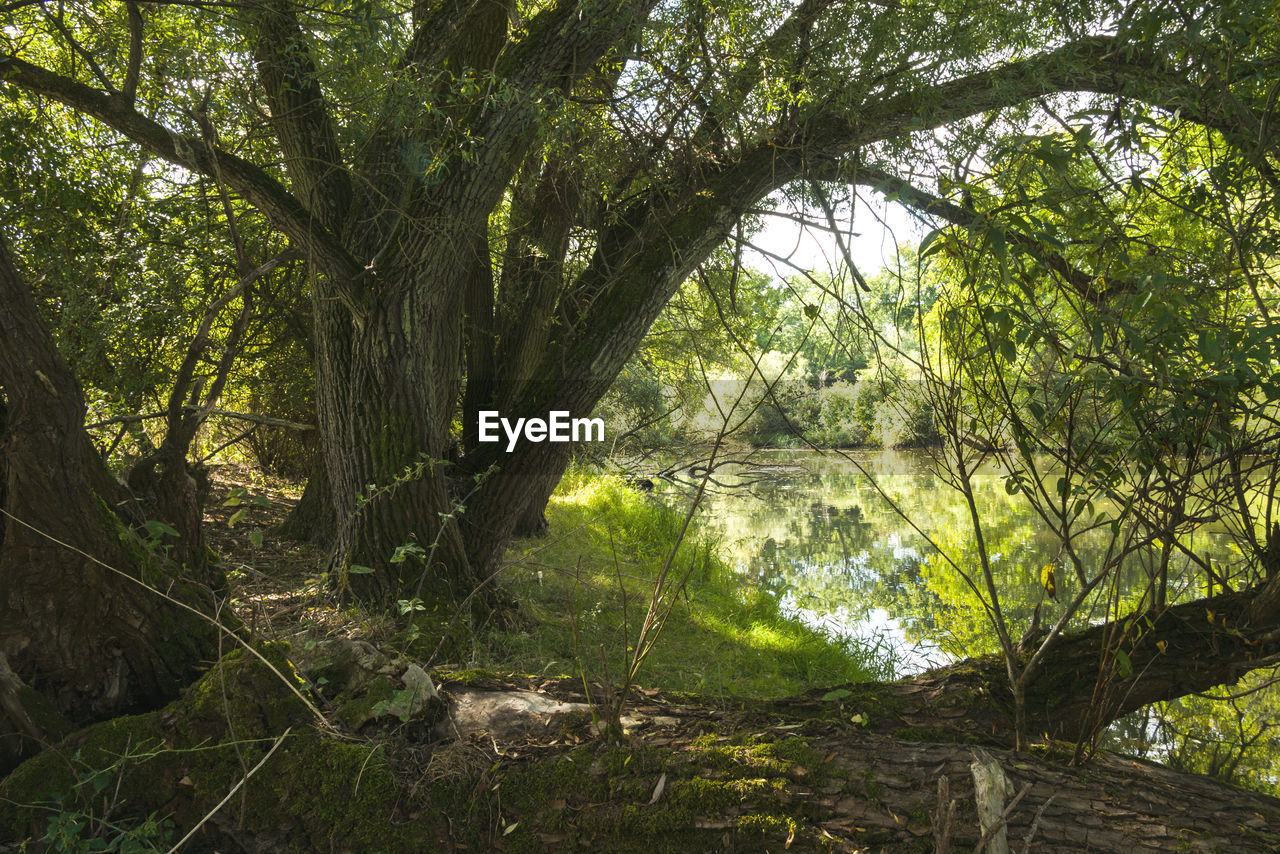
{"points": [[607, 544]]}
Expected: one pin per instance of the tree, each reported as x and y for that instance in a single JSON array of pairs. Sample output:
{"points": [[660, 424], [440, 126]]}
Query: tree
{"points": [[76, 623], [509, 194]]}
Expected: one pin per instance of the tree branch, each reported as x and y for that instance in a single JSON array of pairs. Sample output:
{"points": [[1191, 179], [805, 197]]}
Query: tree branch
{"points": [[299, 116], [247, 179], [1082, 282], [221, 413], [129, 91], [562, 46]]}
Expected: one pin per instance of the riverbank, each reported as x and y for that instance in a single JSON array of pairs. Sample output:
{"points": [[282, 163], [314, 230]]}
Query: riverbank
{"points": [[585, 587], [337, 739]]}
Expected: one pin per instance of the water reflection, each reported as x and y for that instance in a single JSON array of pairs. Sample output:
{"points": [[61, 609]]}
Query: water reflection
{"points": [[821, 531]]}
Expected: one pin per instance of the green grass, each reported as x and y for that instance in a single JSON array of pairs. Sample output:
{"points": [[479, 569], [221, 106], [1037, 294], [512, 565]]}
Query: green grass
{"points": [[607, 542]]}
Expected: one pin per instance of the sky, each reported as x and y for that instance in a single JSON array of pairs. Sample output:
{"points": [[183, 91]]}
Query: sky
{"points": [[878, 228]]}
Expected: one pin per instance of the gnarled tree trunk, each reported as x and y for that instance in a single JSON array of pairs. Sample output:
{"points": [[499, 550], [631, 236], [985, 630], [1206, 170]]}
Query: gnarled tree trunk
{"points": [[85, 617]]}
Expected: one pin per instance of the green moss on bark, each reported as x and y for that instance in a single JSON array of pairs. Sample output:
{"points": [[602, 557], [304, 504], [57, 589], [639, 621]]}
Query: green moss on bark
{"points": [[316, 792]]}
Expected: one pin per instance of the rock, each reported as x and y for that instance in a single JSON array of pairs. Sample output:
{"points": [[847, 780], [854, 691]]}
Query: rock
{"points": [[417, 679], [364, 683], [504, 715]]}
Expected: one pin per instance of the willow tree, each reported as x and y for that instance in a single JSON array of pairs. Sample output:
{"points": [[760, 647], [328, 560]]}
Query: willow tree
{"points": [[497, 198]]}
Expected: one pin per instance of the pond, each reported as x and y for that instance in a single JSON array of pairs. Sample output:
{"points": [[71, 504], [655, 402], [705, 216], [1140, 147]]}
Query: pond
{"points": [[827, 534], [864, 543]]}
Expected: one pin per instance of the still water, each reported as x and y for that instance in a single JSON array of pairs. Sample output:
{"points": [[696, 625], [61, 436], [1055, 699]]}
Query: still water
{"points": [[876, 544]]}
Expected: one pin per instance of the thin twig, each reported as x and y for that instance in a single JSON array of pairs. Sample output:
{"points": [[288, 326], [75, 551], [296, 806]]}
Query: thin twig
{"points": [[1035, 825]]}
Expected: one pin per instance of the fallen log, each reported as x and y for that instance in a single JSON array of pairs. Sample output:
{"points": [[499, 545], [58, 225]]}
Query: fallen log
{"points": [[1084, 685]]}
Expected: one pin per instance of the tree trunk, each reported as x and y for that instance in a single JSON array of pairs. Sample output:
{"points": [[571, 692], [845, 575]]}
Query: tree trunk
{"points": [[691, 777], [532, 521], [385, 393], [1082, 687], [166, 490], [312, 518], [837, 789], [77, 620]]}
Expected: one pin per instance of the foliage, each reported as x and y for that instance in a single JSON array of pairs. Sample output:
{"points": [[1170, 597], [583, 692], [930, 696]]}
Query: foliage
{"points": [[493, 213], [811, 372]]}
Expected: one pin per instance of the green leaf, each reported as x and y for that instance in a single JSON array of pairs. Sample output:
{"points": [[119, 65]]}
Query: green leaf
{"points": [[930, 245], [255, 537], [156, 528], [995, 239], [837, 694], [359, 569], [237, 516], [1123, 665]]}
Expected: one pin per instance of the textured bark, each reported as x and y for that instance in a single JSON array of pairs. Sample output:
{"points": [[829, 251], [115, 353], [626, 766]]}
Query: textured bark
{"points": [[90, 638], [1081, 689], [691, 777], [385, 391], [873, 793], [532, 520], [312, 519]]}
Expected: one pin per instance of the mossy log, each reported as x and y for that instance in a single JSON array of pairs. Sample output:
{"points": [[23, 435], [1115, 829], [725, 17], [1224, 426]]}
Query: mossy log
{"points": [[1083, 685], [691, 777]]}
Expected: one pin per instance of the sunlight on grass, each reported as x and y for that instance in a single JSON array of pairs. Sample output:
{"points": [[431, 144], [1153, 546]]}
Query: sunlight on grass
{"points": [[596, 569]]}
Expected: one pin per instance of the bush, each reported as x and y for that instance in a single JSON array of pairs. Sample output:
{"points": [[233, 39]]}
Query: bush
{"points": [[905, 418], [840, 420]]}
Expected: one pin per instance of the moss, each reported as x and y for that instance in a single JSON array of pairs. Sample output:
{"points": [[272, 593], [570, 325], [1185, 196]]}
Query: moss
{"points": [[315, 792], [871, 788], [796, 750], [739, 757], [42, 712], [467, 677], [357, 710], [767, 825], [596, 792]]}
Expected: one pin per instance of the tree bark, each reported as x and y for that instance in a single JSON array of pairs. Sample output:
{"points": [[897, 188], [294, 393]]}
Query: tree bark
{"points": [[691, 777], [312, 519], [1082, 687], [842, 790], [82, 616], [385, 390]]}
